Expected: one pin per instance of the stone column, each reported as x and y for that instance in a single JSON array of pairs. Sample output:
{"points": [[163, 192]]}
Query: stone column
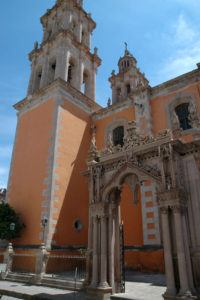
{"points": [[95, 253], [187, 253], [117, 246], [169, 269], [45, 70], [32, 79], [62, 64], [103, 280], [80, 28], [89, 40], [111, 247], [183, 275], [91, 91], [77, 80], [89, 251]]}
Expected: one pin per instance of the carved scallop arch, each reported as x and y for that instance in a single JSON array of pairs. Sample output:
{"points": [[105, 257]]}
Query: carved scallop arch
{"points": [[129, 174]]}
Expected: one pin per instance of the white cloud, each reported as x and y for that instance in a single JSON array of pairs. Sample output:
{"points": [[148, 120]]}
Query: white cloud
{"points": [[185, 41], [184, 34]]}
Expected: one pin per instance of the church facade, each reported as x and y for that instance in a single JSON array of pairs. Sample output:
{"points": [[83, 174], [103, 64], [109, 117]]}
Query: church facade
{"points": [[87, 170]]}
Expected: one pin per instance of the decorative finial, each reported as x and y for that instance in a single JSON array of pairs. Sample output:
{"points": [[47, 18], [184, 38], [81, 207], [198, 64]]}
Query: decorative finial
{"points": [[126, 46], [36, 45], [109, 102], [95, 51], [93, 147]]}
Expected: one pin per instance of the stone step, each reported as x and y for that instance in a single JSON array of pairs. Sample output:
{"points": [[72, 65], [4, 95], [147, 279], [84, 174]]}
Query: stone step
{"points": [[26, 278], [120, 297], [46, 281]]}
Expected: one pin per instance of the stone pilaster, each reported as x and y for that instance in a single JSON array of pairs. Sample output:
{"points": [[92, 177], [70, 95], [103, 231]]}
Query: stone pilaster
{"points": [[103, 274], [111, 245], [95, 260], [32, 79], [169, 268], [62, 64], [183, 275], [45, 69]]}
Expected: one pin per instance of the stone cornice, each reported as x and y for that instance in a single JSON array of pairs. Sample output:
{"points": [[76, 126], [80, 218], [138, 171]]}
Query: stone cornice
{"points": [[122, 74], [65, 33], [92, 106], [113, 109], [175, 83], [59, 4]]}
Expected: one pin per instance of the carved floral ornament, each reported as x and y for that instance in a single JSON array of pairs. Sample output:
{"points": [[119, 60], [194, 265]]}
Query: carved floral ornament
{"points": [[132, 140], [193, 115]]}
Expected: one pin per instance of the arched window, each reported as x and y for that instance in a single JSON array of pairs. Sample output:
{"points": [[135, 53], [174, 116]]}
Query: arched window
{"points": [[119, 91], [73, 26], [38, 78], [128, 88], [49, 33], [70, 71], [84, 86], [82, 36], [182, 112], [118, 136], [69, 77], [52, 69]]}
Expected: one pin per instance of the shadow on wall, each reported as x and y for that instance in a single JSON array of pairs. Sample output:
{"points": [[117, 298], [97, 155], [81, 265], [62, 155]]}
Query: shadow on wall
{"points": [[72, 223]]}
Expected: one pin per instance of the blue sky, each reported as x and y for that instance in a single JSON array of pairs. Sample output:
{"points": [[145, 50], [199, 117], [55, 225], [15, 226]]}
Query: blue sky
{"points": [[163, 35]]}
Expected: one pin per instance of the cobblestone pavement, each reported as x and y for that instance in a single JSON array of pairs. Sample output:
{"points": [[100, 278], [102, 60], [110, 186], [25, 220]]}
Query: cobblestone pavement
{"points": [[142, 286], [139, 286]]}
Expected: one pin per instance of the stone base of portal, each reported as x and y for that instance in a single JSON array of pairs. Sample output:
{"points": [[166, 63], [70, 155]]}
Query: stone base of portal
{"points": [[98, 293]]}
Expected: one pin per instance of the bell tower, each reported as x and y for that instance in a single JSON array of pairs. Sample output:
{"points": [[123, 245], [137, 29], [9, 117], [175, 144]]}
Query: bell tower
{"points": [[65, 51], [53, 131], [128, 79]]}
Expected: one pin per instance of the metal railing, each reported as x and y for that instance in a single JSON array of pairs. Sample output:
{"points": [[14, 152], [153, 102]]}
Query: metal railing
{"points": [[66, 266]]}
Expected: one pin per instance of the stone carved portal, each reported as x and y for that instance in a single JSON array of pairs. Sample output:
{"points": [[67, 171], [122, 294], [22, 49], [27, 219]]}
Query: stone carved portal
{"points": [[156, 160]]}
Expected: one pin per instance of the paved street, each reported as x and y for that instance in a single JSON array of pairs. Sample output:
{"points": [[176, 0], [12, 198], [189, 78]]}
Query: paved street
{"points": [[139, 286], [142, 286]]}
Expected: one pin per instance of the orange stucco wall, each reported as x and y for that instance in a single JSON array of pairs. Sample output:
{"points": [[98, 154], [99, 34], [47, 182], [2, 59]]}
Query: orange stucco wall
{"points": [[158, 107], [145, 261], [131, 216], [72, 193], [29, 168]]}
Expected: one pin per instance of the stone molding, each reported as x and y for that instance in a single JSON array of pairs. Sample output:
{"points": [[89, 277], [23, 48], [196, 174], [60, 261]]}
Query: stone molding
{"points": [[174, 199], [175, 83], [111, 110], [78, 98], [64, 34], [59, 4]]}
